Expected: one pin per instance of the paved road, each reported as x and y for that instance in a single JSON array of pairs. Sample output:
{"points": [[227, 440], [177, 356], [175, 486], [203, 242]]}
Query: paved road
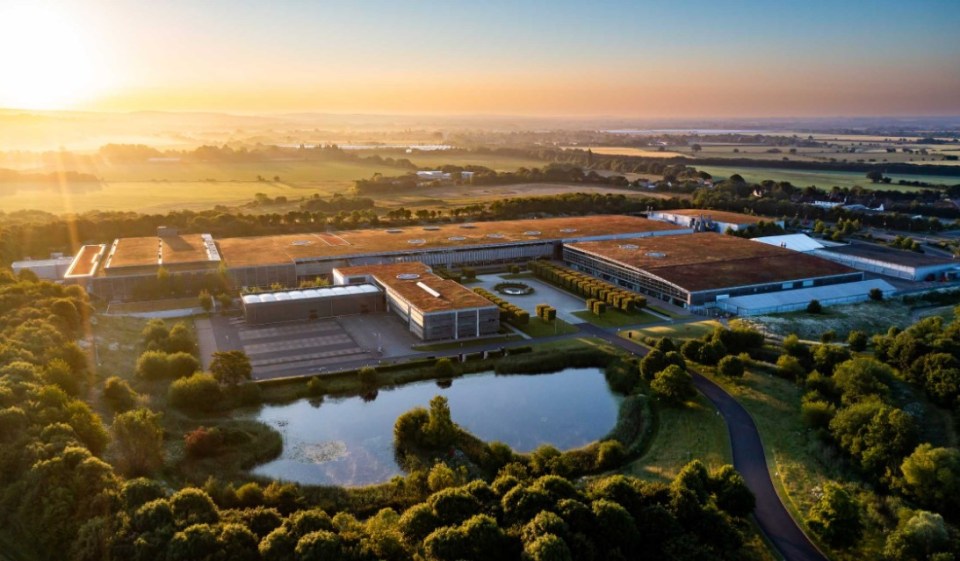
{"points": [[748, 458]]}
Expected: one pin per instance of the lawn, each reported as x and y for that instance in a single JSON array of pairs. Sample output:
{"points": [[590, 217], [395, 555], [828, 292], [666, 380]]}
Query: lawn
{"points": [[679, 331], [539, 328], [871, 317], [694, 431], [822, 178], [466, 344], [617, 318]]}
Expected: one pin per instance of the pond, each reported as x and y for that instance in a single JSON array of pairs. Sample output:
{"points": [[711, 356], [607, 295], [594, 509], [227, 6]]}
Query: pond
{"points": [[349, 441]]}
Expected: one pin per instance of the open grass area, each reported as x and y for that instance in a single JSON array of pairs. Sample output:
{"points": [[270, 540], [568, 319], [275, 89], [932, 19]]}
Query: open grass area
{"points": [[823, 178], [870, 317], [666, 312], [539, 328], [679, 331], [694, 431], [439, 158], [617, 318]]}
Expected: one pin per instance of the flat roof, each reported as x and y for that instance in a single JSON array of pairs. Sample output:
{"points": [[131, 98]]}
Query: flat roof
{"points": [[794, 242], [307, 294], [719, 215], [153, 250], [85, 263], [891, 255], [405, 279], [263, 250], [803, 296], [709, 261], [53, 261]]}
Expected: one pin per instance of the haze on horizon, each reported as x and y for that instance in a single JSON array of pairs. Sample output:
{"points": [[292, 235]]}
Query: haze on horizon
{"points": [[687, 59]]}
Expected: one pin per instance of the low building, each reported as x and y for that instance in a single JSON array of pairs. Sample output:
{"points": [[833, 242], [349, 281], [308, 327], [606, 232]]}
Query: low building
{"points": [[794, 242], [700, 220], [53, 268], [432, 308], [311, 303], [892, 262], [697, 270], [796, 300]]}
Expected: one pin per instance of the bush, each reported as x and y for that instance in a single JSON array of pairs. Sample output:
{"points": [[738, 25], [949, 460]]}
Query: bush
{"points": [[814, 307], [199, 392], [153, 365], [817, 414], [181, 364], [857, 341], [118, 394], [203, 442], [610, 454], [731, 367], [444, 368], [789, 367], [876, 294], [673, 384], [368, 377]]}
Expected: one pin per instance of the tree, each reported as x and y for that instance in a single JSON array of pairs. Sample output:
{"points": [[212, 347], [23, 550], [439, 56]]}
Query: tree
{"points": [[877, 436], [814, 307], [673, 384], [919, 538], [731, 367], [440, 431], [654, 362], [875, 175], [861, 378], [857, 341], [138, 439], [876, 294], [205, 301], [836, 517], [231, 367], [932, 476], [200, 392]]}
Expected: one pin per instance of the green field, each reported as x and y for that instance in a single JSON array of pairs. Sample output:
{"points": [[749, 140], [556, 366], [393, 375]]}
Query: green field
{"points": [[678, 331], [617, 318], [821, 178], [692, 432], [438, 158]]}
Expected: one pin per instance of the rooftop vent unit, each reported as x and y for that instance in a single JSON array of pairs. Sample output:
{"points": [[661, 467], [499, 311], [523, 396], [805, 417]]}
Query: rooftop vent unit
{"points": [[495, 236], [408, 276], [301, 242], [394, 231], [456, 238], [532, 233], [417, 241], [568, 230], [629, 246], [656, 254], [428, 290]]}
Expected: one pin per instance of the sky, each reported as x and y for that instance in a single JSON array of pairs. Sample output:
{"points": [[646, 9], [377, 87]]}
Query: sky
{"points": [[653, 59]]}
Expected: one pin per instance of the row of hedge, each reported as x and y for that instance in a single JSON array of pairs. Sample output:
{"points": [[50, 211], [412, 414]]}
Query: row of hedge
{"points": [[546, 312], [508, 312], [587, 286]]}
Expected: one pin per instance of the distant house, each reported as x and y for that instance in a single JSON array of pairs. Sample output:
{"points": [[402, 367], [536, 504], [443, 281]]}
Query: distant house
{"points": [[433, 175]]}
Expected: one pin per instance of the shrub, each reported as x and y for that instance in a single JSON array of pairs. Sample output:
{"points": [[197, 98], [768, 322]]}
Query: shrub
{"points": [[153, 365], [444, 368], [857, 341], [181, 364], [199, 392], [368, 377], [314, 387], [814, 307], [731, 367], [817, 414], [673, 384], [610, 454], [790, 368], [876, 294], [118, 394], [203, 442]]}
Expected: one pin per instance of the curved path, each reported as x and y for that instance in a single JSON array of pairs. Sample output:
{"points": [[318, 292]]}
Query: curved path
{"points": [[748, 458]]}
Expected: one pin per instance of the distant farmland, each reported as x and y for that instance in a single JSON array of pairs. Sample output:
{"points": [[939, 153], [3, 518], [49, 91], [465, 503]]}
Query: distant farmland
{"points": [[823, 179]]}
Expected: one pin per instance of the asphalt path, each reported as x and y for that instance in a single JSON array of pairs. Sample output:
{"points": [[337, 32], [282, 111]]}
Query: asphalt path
{"points": [[749, 459]]}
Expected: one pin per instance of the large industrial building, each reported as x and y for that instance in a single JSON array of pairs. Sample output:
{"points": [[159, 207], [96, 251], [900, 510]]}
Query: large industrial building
{"points": [[891, 262], [701, 220], [114, 272], [697, 270]]}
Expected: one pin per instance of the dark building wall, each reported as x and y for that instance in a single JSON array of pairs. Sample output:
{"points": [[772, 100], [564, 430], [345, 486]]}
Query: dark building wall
{"points": [[260, 313]]}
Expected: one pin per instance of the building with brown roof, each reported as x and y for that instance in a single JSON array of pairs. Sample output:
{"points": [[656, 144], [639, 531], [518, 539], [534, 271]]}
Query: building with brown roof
{"points": [[433, 308], [696, 270]]}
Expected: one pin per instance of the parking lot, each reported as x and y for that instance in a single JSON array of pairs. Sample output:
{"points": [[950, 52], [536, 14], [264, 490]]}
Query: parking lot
{"points": [[296, 348]]}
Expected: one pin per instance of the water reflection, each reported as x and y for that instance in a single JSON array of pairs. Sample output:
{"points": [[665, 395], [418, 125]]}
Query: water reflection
{"points": [[350, 441]]}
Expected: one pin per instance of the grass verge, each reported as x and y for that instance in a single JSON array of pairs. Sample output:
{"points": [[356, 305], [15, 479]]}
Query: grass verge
{"points": [[539, 328], [681, 331], [616, 318]]}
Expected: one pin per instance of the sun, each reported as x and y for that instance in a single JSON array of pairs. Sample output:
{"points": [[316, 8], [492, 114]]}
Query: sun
{"points": [[46, 62]]}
